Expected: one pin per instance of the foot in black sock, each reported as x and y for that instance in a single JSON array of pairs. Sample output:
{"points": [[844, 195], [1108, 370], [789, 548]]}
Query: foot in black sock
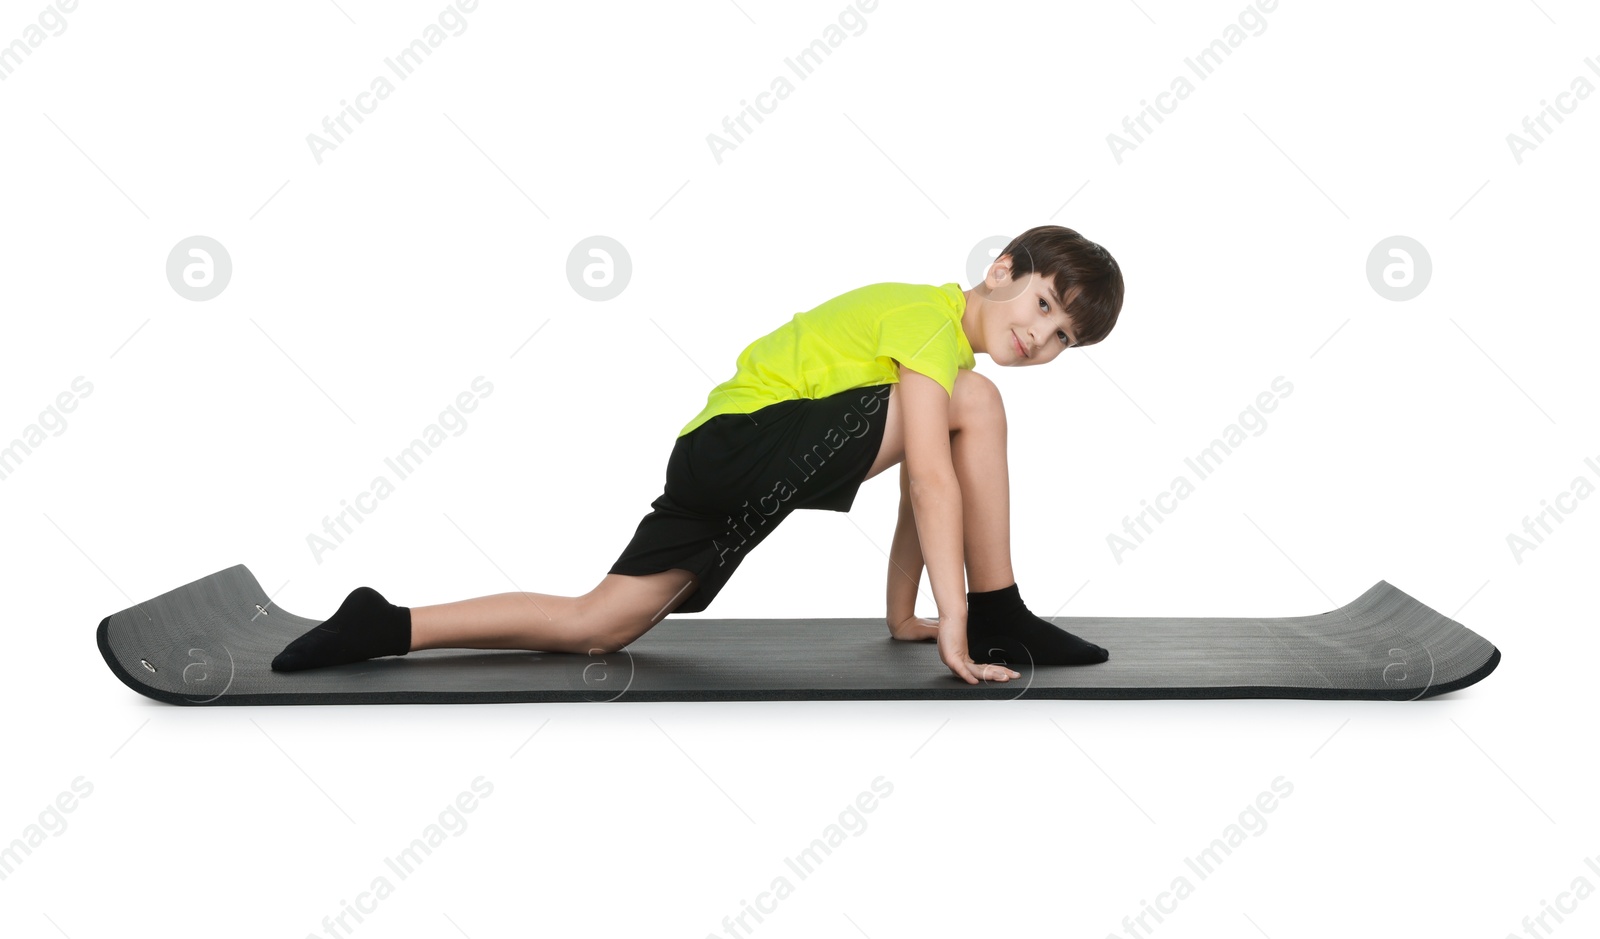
{"points": [[1000, 627], [365, 626]]}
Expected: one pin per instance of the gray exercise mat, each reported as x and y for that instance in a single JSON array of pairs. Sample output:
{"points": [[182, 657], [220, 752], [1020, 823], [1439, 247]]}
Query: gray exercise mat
{"points": [[210, 642]]}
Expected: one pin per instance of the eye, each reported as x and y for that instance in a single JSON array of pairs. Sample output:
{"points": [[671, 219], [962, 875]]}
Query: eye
{"points": [[1061, 333]]}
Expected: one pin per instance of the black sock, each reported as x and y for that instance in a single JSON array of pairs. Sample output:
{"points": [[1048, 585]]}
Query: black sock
{"points": [[1000, 628], [365, 626]]}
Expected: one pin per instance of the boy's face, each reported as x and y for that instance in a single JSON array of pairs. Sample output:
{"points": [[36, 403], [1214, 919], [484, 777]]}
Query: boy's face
{"points": [[1025, 313]]}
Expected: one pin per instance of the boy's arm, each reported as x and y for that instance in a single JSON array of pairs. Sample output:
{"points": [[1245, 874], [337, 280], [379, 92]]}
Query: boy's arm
{"points": [[905, 559], [936, 508]]}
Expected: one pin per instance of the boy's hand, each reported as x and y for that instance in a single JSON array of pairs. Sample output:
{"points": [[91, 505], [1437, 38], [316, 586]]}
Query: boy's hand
{"points": [[953, 651], [913, 628]]}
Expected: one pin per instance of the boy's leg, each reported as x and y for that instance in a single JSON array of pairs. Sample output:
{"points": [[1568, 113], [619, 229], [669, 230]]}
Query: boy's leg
{"points": [[1000, 627], [619, 610]]}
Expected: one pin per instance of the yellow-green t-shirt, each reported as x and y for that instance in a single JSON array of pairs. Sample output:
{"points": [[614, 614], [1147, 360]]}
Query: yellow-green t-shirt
{"points": [[857, 339]]}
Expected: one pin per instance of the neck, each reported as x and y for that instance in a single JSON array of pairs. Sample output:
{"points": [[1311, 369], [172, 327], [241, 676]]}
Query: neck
{"points": [[972, 318]]}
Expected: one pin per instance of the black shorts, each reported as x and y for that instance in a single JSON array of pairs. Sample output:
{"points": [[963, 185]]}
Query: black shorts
{"points": [[733, 479]]}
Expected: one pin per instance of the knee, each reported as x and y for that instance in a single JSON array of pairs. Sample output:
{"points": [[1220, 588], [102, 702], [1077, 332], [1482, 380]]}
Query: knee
{"points": [[606, 629], [622, 608], [976, 397], [610, 638]]}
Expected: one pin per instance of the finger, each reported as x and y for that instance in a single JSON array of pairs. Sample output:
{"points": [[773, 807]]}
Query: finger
{"points": [[991, 673], [998, 668], [985, 671], [1000, 672]]}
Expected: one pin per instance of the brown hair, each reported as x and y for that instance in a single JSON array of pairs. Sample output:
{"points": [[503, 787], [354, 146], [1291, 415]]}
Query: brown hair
{"points": [[1072, 260]]}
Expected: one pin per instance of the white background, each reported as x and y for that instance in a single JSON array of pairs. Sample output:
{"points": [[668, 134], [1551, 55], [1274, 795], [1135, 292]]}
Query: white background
{"points": [[368, 290]]}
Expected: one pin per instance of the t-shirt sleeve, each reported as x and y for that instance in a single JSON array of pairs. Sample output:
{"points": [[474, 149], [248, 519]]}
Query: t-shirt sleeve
{"points": [[923, 338]]}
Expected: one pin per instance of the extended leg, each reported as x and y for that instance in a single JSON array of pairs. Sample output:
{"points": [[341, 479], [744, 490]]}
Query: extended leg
{"points": [[619, 610], [616, 612]]}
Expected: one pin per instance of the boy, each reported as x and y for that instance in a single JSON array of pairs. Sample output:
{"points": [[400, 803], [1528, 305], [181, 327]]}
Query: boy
{"points": [[877, 376]]}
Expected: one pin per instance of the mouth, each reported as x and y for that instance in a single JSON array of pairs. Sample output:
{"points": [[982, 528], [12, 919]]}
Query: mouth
{"points": [[1020, 349]]}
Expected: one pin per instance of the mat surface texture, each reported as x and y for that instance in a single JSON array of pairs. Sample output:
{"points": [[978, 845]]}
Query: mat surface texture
{"points": [[211, 642]]}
